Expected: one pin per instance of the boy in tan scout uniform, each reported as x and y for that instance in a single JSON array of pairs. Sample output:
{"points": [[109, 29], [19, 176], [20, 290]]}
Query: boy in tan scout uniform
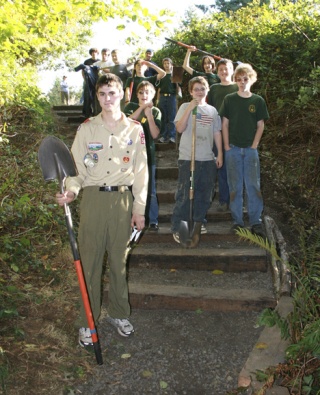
{"points": [[110, 154]]}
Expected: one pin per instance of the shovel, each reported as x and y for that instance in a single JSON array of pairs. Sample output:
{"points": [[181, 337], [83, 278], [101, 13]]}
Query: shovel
{"points": [[189, 231], [56, 164]]}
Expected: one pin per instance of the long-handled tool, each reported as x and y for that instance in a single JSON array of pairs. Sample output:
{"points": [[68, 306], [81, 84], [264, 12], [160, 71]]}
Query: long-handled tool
{"points": [[56, 164], [189, 231], [188, 46]]}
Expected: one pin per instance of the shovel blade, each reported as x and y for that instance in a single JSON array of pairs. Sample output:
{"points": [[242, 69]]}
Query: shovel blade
{"points": [[189, 233], [185, 233], [55, 159]]}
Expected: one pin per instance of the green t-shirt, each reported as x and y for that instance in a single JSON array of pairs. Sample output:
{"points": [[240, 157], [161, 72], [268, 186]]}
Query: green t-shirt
{"points": [[166, 86], [129, 109], [243, 114], [210, 77], [136, 82], [218, 92]]}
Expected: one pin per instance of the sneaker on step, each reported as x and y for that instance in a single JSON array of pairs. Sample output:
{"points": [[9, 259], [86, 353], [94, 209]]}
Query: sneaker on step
{"points": [[85, 338], [123, 325], [176, 237], [172, 140], [162, 140], [236, 227], [258, 230], [203, 229]]}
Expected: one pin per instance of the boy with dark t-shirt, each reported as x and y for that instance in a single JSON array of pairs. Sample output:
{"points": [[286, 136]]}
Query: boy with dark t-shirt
{"points": [[243, 114]]}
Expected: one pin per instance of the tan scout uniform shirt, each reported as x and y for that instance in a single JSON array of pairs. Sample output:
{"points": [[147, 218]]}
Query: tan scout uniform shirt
{"points": [[120, 158]]}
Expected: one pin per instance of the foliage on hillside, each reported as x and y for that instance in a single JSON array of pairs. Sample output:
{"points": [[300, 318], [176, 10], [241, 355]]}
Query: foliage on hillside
{"points": [[282, 42]]}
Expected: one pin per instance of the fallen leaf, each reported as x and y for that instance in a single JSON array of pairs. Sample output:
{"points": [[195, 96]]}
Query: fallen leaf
{"points": [[125, 356], [261, 346], [163, 384], [217, 272], [199, 311], [147, 373], [173, 270]]}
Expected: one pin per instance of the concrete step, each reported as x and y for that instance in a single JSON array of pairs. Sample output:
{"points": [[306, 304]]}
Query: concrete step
{"points": [[183, 290], [166, 209], [167, 173], [218, 231], [69, 113], [207, 256]]}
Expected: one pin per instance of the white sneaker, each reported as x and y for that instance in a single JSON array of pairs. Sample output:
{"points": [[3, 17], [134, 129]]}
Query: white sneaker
{"points": [[123, 325], [172, 140], [203, 229], [176, 237], [162, 140], [85, 338]]}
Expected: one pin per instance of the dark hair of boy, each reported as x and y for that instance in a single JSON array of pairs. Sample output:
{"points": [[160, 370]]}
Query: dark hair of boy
{"points": [[109, 79], [92, 50], [197, 80], [146, 84], [167, 60], [224, 62], [211, 61]]}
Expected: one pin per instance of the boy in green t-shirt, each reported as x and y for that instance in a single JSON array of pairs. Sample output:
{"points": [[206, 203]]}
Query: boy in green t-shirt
{"points": [[215, 98], [243, 114], [167, 103], [150, 119]]}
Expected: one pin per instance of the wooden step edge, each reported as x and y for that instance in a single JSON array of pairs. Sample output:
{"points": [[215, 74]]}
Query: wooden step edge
{"points": [[146, 296]]}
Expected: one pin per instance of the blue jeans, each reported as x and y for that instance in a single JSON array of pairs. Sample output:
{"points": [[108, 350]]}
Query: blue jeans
{"points": [[243, 168], [168, 107], [152, 201], [204, 176], [224, 196]]}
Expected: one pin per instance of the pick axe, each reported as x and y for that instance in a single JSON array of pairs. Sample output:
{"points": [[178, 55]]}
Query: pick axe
{"points": [[198, 50]]}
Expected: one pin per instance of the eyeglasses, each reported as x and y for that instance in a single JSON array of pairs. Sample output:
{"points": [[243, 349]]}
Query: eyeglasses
{"points": [[198, 89], [245, 79]]}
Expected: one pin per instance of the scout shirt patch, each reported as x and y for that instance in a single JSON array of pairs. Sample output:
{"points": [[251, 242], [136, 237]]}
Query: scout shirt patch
{"points": [[95, 146], [126, 159], [142, 138], [252, 108], [143, 120], [130, 142]]}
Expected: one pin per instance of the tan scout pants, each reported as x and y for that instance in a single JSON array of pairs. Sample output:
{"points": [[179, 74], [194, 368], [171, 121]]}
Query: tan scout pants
{"points": [[105, 226]]}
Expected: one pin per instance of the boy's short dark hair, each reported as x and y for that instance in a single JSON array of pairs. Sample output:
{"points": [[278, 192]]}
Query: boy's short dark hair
{"points": [[245, 68], [92, 50], [211, 61], [197, 80], [105, 50], [150, 50], [167, 60], [109, 79], [224, 62], [146, 84]]}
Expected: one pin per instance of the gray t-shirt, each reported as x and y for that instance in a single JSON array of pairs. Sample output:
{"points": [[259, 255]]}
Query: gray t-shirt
{"points": [[207, 123]]}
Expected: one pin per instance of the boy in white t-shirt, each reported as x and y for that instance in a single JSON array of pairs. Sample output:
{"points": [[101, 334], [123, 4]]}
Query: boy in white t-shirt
{"points": [[208, 131]]}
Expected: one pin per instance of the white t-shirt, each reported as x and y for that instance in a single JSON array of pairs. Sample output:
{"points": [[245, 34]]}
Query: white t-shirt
{"points": [[208, 122], [102, 65]]}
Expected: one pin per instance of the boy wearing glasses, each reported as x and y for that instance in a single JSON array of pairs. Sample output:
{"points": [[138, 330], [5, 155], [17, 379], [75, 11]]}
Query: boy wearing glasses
{"points": [[243, 115], [208, 130]]}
